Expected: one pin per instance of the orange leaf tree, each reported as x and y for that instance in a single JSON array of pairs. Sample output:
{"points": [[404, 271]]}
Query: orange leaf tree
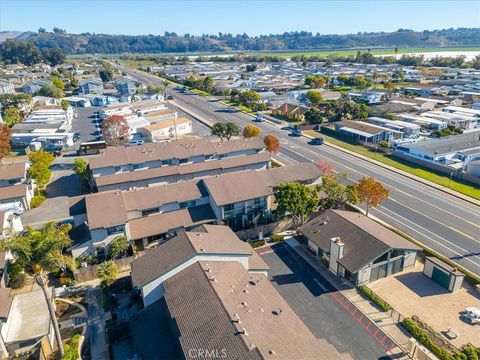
{"points": [[272, 143], [371, 192], [115, 130], [251, 131], [325, 167], [5, 135]]}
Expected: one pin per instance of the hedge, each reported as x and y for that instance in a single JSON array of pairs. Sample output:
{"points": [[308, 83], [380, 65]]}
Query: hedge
{"points": [[37, 200], [469, 352], [276, 238], [255, 244], [382, 304], [71, 351]]}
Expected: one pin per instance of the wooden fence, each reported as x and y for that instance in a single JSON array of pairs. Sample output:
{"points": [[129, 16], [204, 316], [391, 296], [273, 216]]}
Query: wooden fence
{"points": [[90, 273]]}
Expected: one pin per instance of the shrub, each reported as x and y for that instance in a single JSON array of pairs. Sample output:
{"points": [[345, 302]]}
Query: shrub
{"points": [[277, 238], [37, 200], [71, 351], [255, 244], [382, 304], [17, 281]]}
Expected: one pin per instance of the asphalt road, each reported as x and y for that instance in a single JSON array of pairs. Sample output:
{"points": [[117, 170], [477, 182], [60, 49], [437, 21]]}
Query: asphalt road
{"points": [[436, 219], [312, 298]]}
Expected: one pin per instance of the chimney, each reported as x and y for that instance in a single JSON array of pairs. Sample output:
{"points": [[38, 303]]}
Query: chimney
{"points": [[336, 253]]}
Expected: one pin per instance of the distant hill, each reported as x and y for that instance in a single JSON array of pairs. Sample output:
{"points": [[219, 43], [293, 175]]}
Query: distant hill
{"points": [[14, 35], [291, 41]]}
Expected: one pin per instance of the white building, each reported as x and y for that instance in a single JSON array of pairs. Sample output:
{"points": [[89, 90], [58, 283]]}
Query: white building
{"points": [[165, 130]]}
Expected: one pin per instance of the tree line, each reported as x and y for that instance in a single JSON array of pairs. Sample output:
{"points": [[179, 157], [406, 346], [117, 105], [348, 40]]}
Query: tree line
{"points": [[27, 53], [296, 40]]}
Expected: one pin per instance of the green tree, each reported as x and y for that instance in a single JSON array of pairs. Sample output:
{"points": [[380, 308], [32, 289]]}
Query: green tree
{"points": [[20, 51], [208, 83], [11, 116], [371, 192], [337, 194], [40, 169], [225, 130], [58, 83], [314, 97], [315, 81], [313, 116], [118, 247], [107, 272], [80, 167], [231, 130], [106, 74], [54, 56], [51, 90], [15, 100], [43, 251], [296, 200], [65, 104], [249, 98]]}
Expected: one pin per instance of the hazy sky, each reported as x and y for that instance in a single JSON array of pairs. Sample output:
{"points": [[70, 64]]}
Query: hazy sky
{"points": [[233, 16]]}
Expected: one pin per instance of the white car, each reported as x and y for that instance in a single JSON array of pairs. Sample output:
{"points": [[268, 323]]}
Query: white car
{"points": [[16, 207]]}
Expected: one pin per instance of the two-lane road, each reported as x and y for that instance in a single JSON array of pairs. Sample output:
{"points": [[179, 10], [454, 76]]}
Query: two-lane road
{"points": [[438, 220]]}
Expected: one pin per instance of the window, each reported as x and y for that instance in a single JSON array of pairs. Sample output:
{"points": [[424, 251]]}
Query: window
{"points": [[12, 181], [258, 201], [150, 211], [183, 161], [228, 207], [395, 253], [167, 162], [138, 166], [382, 258], [187, 204], [115, 229]]}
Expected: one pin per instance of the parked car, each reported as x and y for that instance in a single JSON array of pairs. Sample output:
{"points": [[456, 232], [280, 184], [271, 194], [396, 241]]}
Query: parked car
{"points": [[169, 97], [135, 142], [296, 132], [15, 206], [317, 141]]}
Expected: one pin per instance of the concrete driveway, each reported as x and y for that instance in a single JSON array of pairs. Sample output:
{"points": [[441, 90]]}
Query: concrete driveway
{"points": [[317, 302]]}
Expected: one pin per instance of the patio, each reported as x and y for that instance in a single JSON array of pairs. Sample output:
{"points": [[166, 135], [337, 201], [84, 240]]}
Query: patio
{"points": [[413, 293]]}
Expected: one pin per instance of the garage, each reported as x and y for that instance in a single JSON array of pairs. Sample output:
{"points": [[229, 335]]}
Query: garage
{"points": [[443, 274]]}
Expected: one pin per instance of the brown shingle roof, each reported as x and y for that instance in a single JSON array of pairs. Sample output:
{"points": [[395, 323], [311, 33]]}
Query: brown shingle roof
{"points": [[300, 172], [235, 187], [221, 164], [105, 209], [364, 238], [12, 192], [12, 171], [163, 222], [115, 156]]}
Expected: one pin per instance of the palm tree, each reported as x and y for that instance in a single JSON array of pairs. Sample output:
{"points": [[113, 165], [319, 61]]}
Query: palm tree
{"points": [[43, 251]]}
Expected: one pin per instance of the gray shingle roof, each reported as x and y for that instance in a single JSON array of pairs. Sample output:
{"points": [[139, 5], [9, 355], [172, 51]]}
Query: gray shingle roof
{"points": [[364, 238], [201, 317]]}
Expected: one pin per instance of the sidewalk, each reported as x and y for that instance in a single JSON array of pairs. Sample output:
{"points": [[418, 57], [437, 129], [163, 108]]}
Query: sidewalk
{"points": [[381, 319], [96, 324]]}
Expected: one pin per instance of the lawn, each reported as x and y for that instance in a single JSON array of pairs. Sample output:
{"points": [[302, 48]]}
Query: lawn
{"points": [[437, 178]]}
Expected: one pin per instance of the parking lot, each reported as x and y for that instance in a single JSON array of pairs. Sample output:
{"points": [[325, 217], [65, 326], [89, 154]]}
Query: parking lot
{"points": [[85, 124], [325, 311]]}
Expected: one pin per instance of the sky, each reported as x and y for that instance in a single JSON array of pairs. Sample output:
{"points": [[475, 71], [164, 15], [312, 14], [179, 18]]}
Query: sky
{"points": [[138, 17]]}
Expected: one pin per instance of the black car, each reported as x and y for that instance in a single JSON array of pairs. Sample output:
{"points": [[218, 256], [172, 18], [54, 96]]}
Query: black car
{"points": [[317, 141]]}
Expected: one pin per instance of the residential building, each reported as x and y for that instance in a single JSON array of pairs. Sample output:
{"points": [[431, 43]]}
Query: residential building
{"points": [[34, 86], [455, 151], [166, 130], [125, 86], [369, 98], [207, 289], [25, 323], [143, 177], [424, 121], [13, 173], [419, 104], [459, 120], [367, 133], [291, 111], [156, 213], [357, 247], [115, 160], [89, 86], [160, 115], [408, 129], [6, 87]]}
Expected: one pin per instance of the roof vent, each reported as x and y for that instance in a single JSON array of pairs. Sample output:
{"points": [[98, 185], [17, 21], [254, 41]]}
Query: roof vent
{"points": [[277, 311], [213, 278], [271, 352]]}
